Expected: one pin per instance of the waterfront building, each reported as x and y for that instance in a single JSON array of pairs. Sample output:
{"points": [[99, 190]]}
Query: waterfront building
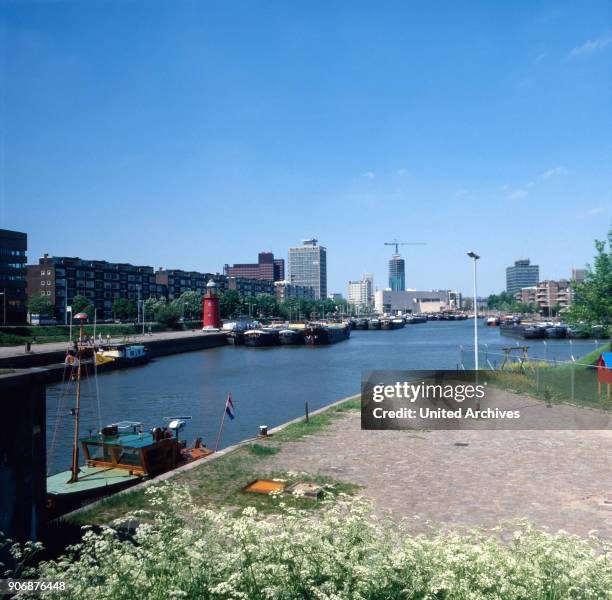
{"points": [[175, 282], [308, 267], [526, 295], [397, 276], [266, 267], [521, 274], [249, 287], [13, 298], [413, 301], [335, 296], [455, 301], [361, 292], [61, 278], [285, 290], [553, 296]]}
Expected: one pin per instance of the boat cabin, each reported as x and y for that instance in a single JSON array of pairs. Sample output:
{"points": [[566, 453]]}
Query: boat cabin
{"points": [[128, 352], [127, 446]]}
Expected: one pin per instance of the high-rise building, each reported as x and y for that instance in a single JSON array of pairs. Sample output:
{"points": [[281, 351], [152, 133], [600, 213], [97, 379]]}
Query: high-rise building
{"points": [[521, 275], [308, 267], [285, 290], [578, 275], [397, 277], [13, 298], [361, 293], [266, 267]]}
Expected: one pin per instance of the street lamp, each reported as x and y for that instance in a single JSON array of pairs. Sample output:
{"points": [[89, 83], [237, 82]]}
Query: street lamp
{"points": [[475, 257]]}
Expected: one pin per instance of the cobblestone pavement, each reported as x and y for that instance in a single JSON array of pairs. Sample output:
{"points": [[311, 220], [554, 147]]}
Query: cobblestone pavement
{"points": [[556, 479]]}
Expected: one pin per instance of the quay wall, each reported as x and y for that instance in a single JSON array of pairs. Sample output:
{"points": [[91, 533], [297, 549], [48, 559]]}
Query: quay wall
{"points": [[157, 348]]}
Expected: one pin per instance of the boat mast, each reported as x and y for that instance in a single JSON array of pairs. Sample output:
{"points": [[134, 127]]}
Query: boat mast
{"points": [[75, 444]]}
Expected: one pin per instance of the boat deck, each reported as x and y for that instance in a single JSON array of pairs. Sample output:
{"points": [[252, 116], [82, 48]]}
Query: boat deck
{"points": [[90, 478]]}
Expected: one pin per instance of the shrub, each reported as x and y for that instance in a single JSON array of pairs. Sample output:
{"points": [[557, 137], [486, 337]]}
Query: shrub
{"points": [[345, 552]]}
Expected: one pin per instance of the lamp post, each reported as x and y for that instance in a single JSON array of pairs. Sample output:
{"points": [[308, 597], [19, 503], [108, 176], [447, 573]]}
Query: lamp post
{"points": [[475, 257]]}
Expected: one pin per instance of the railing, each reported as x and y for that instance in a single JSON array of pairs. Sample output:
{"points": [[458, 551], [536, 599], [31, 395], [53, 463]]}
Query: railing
{"points": [[552, 380]]}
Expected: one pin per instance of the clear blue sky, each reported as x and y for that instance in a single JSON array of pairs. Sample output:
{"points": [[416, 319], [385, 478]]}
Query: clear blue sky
{"points": [[191, 134]]}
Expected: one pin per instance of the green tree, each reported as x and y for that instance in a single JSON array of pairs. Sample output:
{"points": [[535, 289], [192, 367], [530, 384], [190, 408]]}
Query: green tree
{"points": [[124, 309], [229, 303], [81, 304], [167, 315], [191, 304], [41, 305], [592, 302], [266, 305]]}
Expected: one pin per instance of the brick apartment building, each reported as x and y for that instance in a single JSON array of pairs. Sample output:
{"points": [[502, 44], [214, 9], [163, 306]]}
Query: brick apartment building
{"points": [[267, 267], [61, 278]]}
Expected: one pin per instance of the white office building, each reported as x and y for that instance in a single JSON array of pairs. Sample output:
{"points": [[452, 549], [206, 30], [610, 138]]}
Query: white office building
{"points": [[413, 301], [361, 293]]}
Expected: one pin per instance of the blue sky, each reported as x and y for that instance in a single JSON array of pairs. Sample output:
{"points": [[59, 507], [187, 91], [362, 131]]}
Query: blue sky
{"points": [[191, 134]]}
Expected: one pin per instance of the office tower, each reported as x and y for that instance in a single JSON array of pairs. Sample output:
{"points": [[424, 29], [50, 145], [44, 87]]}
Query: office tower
{"points": [[308, 267], [13, 248], [397, 278], [521, 275]]}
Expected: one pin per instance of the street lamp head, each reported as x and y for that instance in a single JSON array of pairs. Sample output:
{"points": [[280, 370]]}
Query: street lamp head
{"points": [[473, 255]]}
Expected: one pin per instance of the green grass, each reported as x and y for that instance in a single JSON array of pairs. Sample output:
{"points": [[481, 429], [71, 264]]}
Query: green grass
{"points": [[316, 423], [554, 383], [6, 371], [220, 482]]}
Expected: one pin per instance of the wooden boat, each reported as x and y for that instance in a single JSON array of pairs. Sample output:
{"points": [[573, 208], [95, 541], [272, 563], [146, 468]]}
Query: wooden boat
{"points": [[117, 457]]}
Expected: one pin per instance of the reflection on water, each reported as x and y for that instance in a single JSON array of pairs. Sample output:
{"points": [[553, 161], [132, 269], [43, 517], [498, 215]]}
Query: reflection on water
{"points": [[268, 385]]}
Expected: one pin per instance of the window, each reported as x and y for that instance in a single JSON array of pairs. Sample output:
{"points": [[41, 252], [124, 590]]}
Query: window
{"points": [[42, 273], [48, 292], [48, 283], [42, 283], [49, 272]]}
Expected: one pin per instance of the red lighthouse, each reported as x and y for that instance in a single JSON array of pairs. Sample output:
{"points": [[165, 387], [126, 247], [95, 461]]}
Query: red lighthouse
{"points": [[212, 317]]}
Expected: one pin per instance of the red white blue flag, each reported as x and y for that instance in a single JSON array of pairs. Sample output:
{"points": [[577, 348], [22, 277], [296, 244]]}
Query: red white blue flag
{"points": [[229, 407]]}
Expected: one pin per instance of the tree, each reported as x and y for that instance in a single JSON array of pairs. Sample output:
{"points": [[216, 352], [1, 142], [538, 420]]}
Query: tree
{"points": [[229, 303], [123, 308], [191, 304], [81, 304], [167, 315], [592, 302], [41, 305], [266, 305]]}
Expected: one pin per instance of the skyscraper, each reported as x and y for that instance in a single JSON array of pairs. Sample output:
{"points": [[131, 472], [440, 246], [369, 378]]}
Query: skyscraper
{"points": [[521, 275], [397, 277], [13, 247], [308, 266]]}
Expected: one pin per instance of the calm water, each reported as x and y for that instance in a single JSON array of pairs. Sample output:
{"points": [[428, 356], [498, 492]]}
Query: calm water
{"points": [[268, 385]]}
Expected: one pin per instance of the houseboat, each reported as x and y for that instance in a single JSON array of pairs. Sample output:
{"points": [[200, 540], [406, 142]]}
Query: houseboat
{"points": [[318, 334], [123, 354], [291, 337], [256, 338], [374, 324]]}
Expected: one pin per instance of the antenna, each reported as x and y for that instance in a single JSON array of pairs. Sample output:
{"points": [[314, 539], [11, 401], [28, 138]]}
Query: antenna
{"points": [[396, 243]]}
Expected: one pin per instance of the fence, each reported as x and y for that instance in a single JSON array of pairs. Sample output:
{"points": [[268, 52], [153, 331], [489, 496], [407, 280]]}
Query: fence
{"points": [[552, 380]]}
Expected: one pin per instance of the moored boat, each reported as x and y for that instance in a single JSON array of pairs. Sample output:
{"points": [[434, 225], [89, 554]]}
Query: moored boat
{"points": [[291, 337], [256, 338], [123, 354], [374, 323], [492, 321], [361, 324], [318, 334]]}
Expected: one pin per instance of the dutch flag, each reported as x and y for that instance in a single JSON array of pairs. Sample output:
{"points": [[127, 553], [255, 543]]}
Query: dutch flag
{"points": [[229, 407]]}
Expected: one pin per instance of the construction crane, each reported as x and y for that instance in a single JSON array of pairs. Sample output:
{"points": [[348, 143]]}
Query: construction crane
{"points": [[398, 244]]}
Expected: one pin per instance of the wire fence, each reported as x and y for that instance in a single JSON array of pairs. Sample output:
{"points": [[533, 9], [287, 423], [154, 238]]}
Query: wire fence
{"points": [[574, 380]]}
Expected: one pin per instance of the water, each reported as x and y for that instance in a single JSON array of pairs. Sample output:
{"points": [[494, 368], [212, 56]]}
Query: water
{"points": [[268, 385]]}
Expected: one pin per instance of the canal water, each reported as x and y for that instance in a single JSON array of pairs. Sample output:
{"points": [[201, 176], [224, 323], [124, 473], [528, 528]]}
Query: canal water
{"points": [[268, 385]]}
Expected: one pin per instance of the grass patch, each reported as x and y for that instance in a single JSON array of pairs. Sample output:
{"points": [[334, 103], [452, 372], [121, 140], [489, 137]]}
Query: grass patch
{"points": [[220, 482], [316, 423], [261, 450]]}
